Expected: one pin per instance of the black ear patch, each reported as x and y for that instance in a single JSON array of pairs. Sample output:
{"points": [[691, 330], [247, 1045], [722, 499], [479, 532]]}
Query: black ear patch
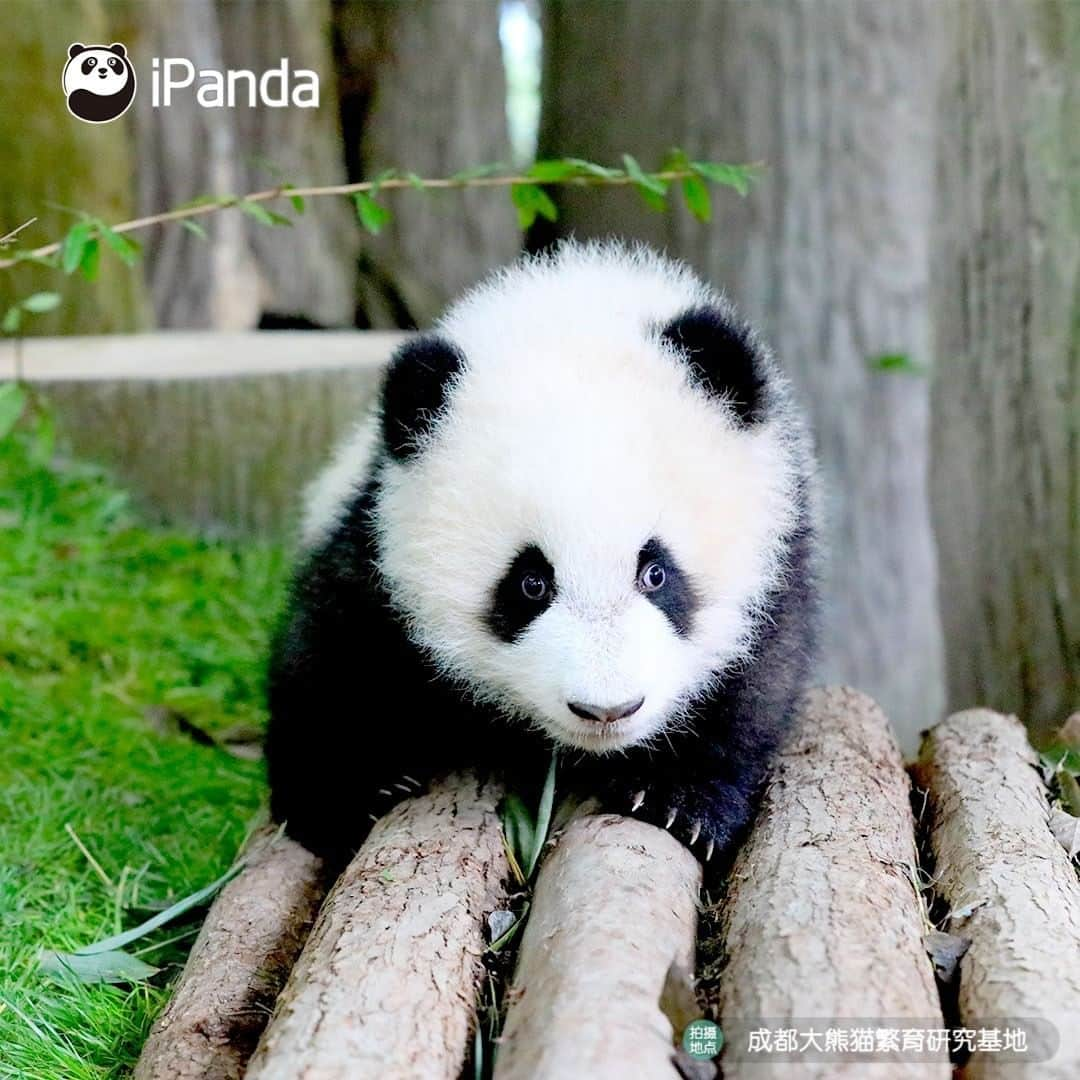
{"points": [[722, 354], [75, 48], [415, 389]]}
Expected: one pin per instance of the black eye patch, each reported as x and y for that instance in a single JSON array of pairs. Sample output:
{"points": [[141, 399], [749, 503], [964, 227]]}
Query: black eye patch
{"points": [[517, 599], [88, 65], [676, 598]]}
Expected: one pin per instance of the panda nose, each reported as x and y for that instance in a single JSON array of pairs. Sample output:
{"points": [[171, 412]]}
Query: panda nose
{"points": [[605, 714]]}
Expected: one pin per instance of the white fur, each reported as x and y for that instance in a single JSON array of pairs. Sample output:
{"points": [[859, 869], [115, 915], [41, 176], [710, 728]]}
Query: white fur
{"points": [[571, 427], [329, 495]]}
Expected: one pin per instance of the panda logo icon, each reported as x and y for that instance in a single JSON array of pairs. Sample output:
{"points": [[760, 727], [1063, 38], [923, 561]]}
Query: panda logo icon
{"points": [[99, 82]]}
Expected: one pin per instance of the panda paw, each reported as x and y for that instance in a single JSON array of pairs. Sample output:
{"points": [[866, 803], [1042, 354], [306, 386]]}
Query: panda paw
{"points": [[387, 797], [692, 816]]}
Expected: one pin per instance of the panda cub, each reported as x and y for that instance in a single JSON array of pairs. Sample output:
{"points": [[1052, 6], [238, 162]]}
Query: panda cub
{"points": [[99, 82], [580, 517]]}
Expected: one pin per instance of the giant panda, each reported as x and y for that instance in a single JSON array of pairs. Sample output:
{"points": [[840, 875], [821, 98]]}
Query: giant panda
{"points": [[99, 82], [581, 517]]}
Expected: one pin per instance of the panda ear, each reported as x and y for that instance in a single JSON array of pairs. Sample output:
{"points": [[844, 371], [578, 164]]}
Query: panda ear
{"points": [[75, 48], [724, 358], [117, 48], [415, 390]]}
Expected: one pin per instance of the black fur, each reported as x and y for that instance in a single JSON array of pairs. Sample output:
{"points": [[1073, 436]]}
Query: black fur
{"points": [[676, 599], [724, 358], [511, 610], [415, 391]]}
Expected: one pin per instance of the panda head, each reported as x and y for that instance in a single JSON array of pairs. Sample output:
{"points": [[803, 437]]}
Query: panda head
{"points": [[588, 470], [99, 82]]}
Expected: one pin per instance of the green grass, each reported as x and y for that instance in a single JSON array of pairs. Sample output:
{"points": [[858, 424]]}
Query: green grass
{"points": [[100, 620]]}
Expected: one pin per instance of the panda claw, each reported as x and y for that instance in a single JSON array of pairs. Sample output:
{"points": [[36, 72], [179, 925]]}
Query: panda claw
{"points": [[671, 819], [387, 792], [412, 780], [639, 798], [404, 787], [374, 817], [709, 851], [695, 833]]}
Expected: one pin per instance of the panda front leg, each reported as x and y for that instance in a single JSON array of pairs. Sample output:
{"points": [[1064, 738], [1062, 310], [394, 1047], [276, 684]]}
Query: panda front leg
{"points": [[707, 811]]}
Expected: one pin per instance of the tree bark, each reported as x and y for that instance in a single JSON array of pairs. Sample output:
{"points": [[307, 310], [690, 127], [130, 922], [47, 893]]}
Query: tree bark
{"points": [[251, 937], [1011, 888], [1006, 420], [386, 985], [822, 921], [423, 88], [244, 270], [615, 907], [54, 163], [828, 254]]}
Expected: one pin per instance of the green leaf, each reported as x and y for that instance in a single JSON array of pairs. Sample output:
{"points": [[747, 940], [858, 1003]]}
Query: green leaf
{"points": [[12, 320], [41, 302], [194, 227], [415, 180], [675, 160], [127, 249], [373, 215], [478, 171], [118, 941], [590, 168], [71, 251], [105, 967], [895, 364], [643, 180], [553, 170], [261, 214], [543, 819], [530, 201], [696, 194], [297, 201], [13, 399], [518, 827], [739, 177], [44, 435], [91, 259]]}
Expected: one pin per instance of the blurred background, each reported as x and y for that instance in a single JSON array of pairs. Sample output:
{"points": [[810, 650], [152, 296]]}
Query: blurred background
{"points": [[911, 250]]}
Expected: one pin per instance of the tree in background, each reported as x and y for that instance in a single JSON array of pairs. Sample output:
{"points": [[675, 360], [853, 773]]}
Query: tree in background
{"points": [[423, 87], [51, 161], [1006, 305], [829, 254], [241, 272]]}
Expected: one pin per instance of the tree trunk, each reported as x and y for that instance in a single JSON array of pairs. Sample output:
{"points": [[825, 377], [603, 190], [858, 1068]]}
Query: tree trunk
{"points": [[821, 922], [1006, 420], [828, 254], [244, 270], [251, 937], [386, 985], [1013, 894], [615, 907], [423, 89], [50, 157]]}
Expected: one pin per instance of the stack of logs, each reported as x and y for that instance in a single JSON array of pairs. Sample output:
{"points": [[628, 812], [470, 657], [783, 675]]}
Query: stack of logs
{"points": [[828, 920]]}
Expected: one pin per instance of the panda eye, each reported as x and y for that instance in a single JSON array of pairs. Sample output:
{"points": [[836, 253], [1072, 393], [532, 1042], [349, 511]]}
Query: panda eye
{"points": [[653, 576], [534, 586], [114, 64]]}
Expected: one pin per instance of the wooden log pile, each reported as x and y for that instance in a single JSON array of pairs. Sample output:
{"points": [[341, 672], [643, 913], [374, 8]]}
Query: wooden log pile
{"points": [[827, 923]]}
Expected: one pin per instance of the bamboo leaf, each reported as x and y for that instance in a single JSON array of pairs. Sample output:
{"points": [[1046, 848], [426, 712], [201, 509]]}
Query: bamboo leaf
{"points": [[12, 405], [696, 193], [71, 251], [115, 966], [373, 215], [40, 302]]}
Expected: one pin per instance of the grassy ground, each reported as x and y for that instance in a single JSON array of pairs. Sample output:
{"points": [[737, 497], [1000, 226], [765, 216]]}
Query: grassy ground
{"points": [[105, 627]]}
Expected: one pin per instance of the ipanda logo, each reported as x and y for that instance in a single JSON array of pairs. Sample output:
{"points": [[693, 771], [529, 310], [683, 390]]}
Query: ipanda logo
{"points": [[99, 83]]}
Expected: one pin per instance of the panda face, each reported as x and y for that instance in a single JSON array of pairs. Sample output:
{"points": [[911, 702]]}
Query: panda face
{"points": [[584, 536], [99, 82]]}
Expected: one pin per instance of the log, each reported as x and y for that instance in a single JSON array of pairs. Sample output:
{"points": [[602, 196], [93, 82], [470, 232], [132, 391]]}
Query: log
{"points": [[251, 937], [821, 923], [615, 907], [1010, 886], [386, 985]]}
